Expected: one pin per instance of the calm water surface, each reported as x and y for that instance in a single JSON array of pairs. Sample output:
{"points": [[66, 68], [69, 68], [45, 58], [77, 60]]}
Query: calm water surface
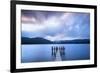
{"points": [[43, 53]]}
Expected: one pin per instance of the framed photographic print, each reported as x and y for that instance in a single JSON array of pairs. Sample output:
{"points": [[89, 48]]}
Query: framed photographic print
{"points": [[52, 36]]}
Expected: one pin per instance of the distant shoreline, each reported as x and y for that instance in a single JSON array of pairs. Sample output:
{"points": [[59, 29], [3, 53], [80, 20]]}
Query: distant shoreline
{"points": [[25, 40]]}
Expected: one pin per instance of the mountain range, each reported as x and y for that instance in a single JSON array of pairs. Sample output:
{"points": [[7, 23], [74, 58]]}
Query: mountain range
{"points": [[39, 40]]}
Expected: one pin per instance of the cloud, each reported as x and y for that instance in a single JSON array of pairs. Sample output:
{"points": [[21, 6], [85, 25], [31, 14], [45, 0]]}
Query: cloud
{"points": [[53, 22], [60, 37], [32, 28], [56, 25]]}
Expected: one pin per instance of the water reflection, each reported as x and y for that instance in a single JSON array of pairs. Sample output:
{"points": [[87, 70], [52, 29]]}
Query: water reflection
{"points": [[51, 52], [60, 50]]}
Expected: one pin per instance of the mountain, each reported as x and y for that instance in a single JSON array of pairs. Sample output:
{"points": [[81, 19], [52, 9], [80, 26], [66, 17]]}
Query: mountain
{"points": [[36, 40], [76, 41], [39, 40]]}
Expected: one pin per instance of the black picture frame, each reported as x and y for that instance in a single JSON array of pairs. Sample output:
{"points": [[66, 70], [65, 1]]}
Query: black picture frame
{"points": [[13, 35]]}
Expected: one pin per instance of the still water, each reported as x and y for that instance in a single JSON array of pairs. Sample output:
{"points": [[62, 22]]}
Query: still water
{"points": [[43, 53]]}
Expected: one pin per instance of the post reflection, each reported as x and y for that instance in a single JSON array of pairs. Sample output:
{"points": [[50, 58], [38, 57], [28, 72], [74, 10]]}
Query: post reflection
{"points": [[58, 52]]}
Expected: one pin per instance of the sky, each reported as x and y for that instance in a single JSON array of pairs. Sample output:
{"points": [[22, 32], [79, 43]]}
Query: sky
{"points": [[54, 25]]}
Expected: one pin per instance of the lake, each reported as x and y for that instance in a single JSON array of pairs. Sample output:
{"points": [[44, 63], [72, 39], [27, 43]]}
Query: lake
{"points": [[43, 52]]}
